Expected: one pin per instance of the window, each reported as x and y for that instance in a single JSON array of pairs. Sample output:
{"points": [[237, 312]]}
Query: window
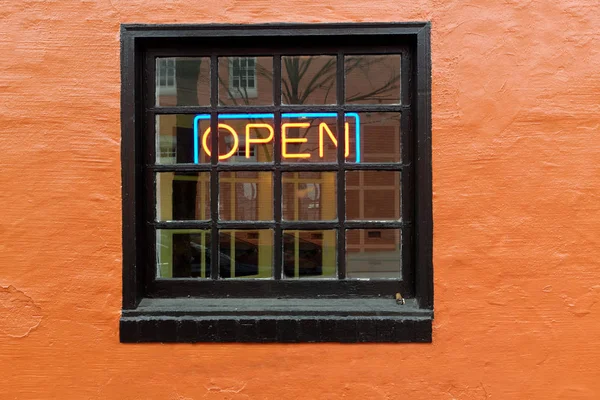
{"points": [[242, 77], [300, 214], [165, 77]]}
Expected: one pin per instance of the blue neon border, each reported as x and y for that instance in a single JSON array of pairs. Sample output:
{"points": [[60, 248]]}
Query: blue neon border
{"points": [[200, 117]]}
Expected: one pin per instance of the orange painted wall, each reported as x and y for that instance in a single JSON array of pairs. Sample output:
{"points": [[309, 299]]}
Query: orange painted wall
{"points": [[516, 164]]}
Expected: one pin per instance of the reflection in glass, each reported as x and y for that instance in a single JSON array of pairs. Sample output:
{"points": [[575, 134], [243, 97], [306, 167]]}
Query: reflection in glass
{"points": [[182, 196], [182, 81], [175, 138], [183, 253], [245, 81], [373, 195], [309, 254], [308, 79], [246, 254], [373, 79], [373, 253], [309, 196], [246, 196], [379, 137]]}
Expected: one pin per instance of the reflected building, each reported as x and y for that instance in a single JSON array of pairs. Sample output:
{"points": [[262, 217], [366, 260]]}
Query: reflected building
{"points": [[306, 196]]}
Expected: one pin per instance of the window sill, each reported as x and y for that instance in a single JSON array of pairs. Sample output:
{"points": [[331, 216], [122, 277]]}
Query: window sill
{"points": [[275, 320]]}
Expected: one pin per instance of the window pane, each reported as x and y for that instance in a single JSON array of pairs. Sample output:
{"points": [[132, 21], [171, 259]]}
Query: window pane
{"points": [[182, 196], [245, 81], [308, 80], [246, 196], [373, 195], [242, 140], [309, 137], [373, 253], [176, 141], [373, 79], [183, 253], [378, 137], [309, 196], [309, 254], [246, 254], [190, 82]]}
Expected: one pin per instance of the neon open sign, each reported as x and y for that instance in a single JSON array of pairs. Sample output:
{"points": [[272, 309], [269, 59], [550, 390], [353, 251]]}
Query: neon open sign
{"points": [[298, 120]]}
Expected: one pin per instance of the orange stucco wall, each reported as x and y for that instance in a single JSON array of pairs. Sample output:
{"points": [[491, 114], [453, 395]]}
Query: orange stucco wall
{"points": [[516, 165]]}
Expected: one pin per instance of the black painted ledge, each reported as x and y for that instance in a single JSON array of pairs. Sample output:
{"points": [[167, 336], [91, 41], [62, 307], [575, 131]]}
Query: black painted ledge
{"points": [[275, 320]]}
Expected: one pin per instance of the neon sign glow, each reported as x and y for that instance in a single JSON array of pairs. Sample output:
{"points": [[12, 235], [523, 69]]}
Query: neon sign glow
{"points": [[323, 131]]}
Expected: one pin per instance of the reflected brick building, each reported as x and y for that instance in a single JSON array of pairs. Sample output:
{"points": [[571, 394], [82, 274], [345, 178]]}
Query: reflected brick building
{"points": [[306, 196]]}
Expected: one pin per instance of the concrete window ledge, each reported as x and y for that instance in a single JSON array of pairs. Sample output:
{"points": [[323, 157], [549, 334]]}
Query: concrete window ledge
{"points": [[275, 320]]}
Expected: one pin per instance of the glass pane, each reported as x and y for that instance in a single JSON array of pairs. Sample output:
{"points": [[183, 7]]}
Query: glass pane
{"points": [[309, 137], [245, 81], [373, 253], [373, 195], [243, 138], [377, 135], [373, 79], [246, 196], [182, 196], [309, 196], [183, 253], [309, 254], [308, 80], [246, 254], [177, 137], [191, 83]]}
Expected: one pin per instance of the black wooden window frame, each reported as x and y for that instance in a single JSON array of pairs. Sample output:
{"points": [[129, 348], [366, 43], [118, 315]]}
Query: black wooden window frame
{"points": [[193, 310]]}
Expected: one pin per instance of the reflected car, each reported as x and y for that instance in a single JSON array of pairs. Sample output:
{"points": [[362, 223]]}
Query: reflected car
{"points": [[310, 257]]}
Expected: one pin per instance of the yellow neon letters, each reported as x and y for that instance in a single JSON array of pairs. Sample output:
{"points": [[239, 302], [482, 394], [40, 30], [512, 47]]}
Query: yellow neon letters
{"points": [[236, 141], [285, 140], [249, 141], [323, 127]]}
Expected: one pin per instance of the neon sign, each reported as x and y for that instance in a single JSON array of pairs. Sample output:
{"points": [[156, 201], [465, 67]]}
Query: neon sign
{"points": [[201, 138]]}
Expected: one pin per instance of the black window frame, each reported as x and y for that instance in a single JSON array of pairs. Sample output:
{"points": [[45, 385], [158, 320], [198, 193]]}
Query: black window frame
{"points": [[188, 310]]}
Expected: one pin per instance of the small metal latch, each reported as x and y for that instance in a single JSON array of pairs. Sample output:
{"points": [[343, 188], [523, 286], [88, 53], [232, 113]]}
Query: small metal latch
{"points": [[400, 299]]}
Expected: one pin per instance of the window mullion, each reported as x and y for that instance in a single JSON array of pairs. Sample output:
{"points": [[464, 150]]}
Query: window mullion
{"points": [[277, 188], [341, 174], [214, 174]]}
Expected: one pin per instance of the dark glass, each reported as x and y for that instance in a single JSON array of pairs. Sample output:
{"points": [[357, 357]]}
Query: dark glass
{"points": [[379, 135], [309, 254], [308, 79], [183, 253], [182, 196], [182, 81], [309, 196], [373, 79], [373, 254], [246, 196], [373, 195], [245, 81], [246, 253]]}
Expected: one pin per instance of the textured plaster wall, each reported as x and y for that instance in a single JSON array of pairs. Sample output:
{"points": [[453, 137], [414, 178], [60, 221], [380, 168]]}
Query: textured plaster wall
{"points": [[516, 164]]}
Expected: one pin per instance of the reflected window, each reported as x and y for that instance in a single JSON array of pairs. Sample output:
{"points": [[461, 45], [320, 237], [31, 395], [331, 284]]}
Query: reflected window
{"points": [[165, 76], [242, 76]]}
